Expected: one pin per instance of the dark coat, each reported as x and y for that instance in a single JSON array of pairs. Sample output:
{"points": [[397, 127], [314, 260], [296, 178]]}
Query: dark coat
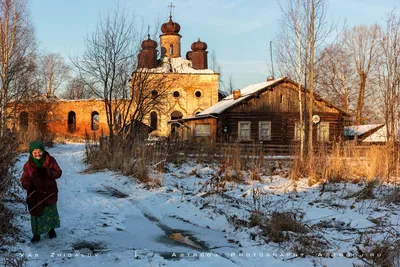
{"points": [[40, 182]]}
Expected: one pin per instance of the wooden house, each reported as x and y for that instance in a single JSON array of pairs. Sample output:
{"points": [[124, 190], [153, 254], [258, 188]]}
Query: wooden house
{"points": [[266, 112]]}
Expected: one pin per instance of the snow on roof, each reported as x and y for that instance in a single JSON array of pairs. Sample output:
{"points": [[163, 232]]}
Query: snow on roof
{"points": [[178, 65], [359, 129], [228, 101], [378, 136]]}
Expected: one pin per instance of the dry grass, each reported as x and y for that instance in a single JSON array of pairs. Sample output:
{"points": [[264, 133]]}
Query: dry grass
{"points": [[140, 160], [13, 260], [383, 253], [8, 154], [233, 164], [280, 222], [346, 162], [393, 197]]}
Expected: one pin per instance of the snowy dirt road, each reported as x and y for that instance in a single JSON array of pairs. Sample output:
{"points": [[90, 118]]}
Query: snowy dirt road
{"points": [[109, 219]]}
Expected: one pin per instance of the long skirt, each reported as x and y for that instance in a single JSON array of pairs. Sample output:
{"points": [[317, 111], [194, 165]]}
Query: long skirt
{"points": [[49, 219]]}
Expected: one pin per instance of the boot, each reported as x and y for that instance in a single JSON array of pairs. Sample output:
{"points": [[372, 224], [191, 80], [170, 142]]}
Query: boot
{"points": [[52, 233], [35, 239]]}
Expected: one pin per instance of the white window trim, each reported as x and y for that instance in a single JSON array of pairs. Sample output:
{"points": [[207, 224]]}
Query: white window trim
{"points": [[202, 135], [239, 136], [319, 131], [268, 137], [297, 125]]}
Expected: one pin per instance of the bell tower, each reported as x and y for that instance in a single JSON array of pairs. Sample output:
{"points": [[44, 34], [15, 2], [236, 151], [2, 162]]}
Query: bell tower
{"points": [[170, 39]]}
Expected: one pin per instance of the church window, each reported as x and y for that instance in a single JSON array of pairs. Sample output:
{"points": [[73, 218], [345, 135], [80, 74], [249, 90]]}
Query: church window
{"points": [[154, 93], [176, 94], [95, 121], [171, 49], [23, 120], [71, 122], [197, 94], [153, 120]]}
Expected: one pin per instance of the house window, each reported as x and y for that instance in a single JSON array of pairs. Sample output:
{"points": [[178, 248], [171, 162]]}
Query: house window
{"points": [[153, 120], [95, 121], [323, 131], [298, 127], [282, 98], [244, 130], [23, 120], [202, 130], [264, 130], [71, 121]]}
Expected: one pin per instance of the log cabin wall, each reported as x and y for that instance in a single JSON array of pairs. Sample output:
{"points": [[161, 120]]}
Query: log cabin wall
{"points": [[202, 126], [278, 105]]}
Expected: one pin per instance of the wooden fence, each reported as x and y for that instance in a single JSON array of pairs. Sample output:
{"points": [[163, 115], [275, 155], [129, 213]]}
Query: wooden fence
{"points": [[245, 149]]}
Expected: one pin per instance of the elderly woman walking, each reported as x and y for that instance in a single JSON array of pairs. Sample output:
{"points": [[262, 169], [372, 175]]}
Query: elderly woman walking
{"points": [[39, 179]]}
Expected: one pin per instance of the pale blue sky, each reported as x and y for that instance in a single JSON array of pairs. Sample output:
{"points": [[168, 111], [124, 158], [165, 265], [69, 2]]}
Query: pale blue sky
{"points": [[239, 31]]}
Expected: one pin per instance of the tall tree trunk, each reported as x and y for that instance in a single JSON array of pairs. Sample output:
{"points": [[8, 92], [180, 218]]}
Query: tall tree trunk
{"points": [[311, 82], [361, 96], [301, 122]]}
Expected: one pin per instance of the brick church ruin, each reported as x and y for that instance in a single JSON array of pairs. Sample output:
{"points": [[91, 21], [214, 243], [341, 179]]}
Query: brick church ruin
{"points": [[194, 88]]}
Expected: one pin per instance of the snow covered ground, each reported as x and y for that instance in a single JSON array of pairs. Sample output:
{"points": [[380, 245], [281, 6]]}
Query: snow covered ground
{"points": [[111, 220]]}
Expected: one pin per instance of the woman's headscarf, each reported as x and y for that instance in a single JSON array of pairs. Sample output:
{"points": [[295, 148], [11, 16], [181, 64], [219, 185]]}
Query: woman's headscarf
{"points": [[37, 145]]}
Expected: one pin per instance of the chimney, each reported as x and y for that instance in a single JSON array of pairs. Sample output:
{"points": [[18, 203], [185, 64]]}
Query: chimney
{"points": [[270, 78], [236, 94]]}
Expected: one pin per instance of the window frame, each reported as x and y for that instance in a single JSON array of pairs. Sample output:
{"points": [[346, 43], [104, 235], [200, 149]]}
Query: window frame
{"points": [[268, 136], [240, 128], [320, 137], [202, 135], [297, 130]]}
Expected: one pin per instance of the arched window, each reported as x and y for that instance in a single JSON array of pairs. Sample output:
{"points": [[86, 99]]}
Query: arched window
{"points": [[23, 120], [116, 120], [95, 121], [71, 121], [176, 115], [153, 120]]}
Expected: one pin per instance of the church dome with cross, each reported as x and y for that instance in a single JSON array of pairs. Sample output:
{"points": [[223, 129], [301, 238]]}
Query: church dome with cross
{"points": [[170, 27]]}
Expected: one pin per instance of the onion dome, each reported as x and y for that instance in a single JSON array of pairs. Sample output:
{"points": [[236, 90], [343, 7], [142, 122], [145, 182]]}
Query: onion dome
{"points": [[189, 55], [170, 27], [149, 44], [199, 46]]}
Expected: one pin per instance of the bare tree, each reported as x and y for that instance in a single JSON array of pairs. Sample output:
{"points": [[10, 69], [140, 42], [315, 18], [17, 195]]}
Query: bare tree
{"points": [[302, 32], [389, 73], [230, 85], [362, 43], [16, 44], [216, 67], [53, 72], [76, 89], [109, 56], [106, 68], [336, 77]]}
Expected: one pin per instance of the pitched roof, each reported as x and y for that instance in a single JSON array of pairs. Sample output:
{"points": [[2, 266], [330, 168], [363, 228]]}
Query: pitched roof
{"points": [[252, 90], [360, 129], [246, 93]]}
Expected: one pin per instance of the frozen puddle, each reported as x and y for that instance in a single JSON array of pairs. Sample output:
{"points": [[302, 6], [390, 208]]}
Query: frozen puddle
{"points": [[169, 237]]}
